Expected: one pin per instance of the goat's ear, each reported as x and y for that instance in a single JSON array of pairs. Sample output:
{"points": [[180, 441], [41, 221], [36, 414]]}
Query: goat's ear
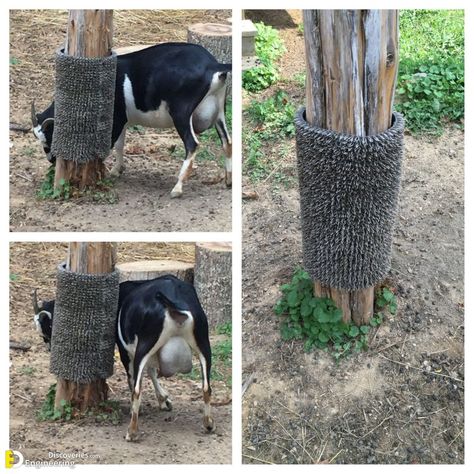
{"points": [[47, 123]]}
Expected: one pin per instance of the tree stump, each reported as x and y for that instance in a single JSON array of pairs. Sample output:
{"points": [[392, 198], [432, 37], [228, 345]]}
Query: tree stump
{"points": [[213, 280], [351, 72], [215, 37], [149, 269], [92, 258]]}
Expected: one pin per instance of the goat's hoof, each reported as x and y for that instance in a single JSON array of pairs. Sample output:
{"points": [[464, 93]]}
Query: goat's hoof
{"points": [[176, 194], [228, 179], [116, 172], [166, 405], [131, 436], [209, 424]]}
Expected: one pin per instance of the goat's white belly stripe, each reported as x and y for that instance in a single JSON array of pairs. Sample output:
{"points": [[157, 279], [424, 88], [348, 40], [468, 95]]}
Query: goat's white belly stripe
{"points": [[159, 118]]}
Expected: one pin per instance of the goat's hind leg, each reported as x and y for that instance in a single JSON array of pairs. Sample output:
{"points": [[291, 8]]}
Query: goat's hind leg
{"points": [[184, 126], [164, 400], [226, 141], [203, 351]]}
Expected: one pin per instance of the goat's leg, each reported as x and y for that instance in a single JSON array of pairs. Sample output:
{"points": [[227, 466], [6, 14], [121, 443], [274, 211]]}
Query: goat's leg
{"points": [[226, 141], [132, 433], [202, 348], [119, 145], [184, 126], [142, 355], [164, 400]]}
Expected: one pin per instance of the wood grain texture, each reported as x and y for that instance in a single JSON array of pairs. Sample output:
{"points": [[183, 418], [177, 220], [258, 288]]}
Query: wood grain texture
{"points": [[89, 34], [351, 72]]}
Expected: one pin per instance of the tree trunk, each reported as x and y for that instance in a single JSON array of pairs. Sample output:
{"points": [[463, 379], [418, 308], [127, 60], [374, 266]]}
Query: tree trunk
{"points": [[213, 280], [89, 34], [93, 258], [149, 269], [351, 71]]}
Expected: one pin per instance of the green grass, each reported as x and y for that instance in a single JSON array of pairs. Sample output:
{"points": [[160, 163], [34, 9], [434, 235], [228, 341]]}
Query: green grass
{"points": [[430, 88], [268, 121]]}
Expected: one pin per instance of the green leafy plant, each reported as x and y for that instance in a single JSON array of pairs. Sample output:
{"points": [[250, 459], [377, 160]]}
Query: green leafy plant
{"points": [[385, 298], [48, 411], [48, 191], [27, 370], [224, 328], [106, 412], [274, 116], [430, 86], [14, 277], [318, 321], [269, 48]]}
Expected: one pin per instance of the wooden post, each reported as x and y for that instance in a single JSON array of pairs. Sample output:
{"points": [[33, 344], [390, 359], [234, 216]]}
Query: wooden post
{"points": [[351, 71], [89, 34], [93, 258]]}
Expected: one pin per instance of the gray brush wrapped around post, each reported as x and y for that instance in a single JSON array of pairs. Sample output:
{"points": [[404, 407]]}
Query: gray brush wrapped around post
{"points": [[84, 107], [349, 187], [85, 313]]}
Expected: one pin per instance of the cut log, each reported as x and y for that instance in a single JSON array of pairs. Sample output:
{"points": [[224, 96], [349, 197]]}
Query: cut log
{"points": [[215, 37], [351, 71], [149, 269], [89, 34], [213, 280], [92, 258]]}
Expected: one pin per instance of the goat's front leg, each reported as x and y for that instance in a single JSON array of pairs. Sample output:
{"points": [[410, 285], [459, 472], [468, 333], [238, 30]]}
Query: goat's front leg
{"points": [[119, 145]]}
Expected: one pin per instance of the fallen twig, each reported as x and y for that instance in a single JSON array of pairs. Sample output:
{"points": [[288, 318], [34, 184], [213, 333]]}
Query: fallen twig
{"points": [[250, 380], [21, 346], [256, 459], [16, 127], [23, 397], [404, 364]]}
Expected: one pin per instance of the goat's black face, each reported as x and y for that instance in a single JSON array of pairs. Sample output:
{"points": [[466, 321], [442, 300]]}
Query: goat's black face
{"points": [[43, 127], [43, 318]]}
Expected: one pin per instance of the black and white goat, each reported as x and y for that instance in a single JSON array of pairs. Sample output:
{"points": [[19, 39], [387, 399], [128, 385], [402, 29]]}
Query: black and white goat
{"points": [[166, 85], [159, 323]]}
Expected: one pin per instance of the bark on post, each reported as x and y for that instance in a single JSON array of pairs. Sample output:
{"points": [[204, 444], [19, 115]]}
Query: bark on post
{"points": [[89, 34], [92, 258], [351, 71], [150, 269], [213, 280]]}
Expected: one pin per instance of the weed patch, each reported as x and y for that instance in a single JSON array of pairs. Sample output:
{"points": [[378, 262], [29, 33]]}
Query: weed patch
{"points": [[318, 321]]}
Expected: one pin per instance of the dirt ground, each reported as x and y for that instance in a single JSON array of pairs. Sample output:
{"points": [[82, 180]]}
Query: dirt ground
{"points": [[165, 437], [140, 199], [402, 401]]}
